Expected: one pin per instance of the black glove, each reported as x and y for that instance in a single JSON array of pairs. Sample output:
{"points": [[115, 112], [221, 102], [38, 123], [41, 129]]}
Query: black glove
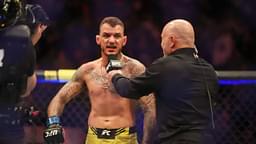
{"points": [[54, 133]]}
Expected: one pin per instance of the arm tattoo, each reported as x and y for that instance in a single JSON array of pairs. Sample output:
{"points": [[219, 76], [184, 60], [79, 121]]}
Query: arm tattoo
{"points": [[149, 109], [135, 68], [67, 92], [73, 87], [148, 106]]}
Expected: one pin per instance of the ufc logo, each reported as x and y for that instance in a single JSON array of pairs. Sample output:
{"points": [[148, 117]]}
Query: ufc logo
{"points": [[106, 132], [51, 133]]}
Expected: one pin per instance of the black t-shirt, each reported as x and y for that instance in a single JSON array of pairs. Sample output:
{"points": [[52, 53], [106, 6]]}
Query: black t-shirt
{"points": [[180, 83], [17, 61]]}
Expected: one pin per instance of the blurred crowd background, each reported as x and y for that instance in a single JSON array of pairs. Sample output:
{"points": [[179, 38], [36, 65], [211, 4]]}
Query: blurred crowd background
{"points": [[225, 30], [225, 34]]}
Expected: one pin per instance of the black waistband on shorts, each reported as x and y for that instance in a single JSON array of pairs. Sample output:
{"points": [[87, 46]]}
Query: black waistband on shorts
{"points": [[111, 133]]}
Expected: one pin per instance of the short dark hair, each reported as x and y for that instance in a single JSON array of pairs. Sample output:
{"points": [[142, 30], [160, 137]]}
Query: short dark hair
{"points": [[112, 21]]}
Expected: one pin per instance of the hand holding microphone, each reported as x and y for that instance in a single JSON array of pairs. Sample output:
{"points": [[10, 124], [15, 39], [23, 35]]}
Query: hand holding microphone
{"points": [[113, 63], [114, 66]]}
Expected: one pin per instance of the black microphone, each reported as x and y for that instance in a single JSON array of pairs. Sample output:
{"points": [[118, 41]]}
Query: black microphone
{"points": [[113, 63]]}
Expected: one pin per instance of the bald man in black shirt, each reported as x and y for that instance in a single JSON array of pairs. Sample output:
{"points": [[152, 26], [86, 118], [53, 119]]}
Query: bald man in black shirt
{"points": [[184, 86]]}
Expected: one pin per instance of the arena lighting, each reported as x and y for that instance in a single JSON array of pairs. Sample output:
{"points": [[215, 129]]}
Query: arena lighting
{"points": [[225, 77], [237, 82], [236, 77], [54, 76]]}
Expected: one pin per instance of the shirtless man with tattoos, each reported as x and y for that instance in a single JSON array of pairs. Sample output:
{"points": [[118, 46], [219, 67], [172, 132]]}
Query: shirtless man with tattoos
{"points": [[112, 117]]}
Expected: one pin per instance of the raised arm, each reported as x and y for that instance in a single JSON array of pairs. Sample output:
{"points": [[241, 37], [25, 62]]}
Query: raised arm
{"points": [[66, 93]]}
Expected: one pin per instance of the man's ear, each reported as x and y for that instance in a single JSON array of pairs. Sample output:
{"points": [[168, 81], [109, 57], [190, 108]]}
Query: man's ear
{"points": [[172, 41], [124, 40], [97, 38]]}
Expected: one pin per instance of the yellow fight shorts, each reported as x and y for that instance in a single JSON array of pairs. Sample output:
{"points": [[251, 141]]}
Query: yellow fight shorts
{"points": [[111, 136]]}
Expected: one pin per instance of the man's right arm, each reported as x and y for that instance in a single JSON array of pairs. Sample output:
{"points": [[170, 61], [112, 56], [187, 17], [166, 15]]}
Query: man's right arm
{"points": [[54, 131], [66, 93]]}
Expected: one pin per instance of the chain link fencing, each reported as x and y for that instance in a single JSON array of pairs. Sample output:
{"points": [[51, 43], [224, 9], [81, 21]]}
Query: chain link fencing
{"points": [[235, 110]]}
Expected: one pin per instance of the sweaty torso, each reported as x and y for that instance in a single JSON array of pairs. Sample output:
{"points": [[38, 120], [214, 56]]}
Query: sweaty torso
{"points": [[108, 109]]}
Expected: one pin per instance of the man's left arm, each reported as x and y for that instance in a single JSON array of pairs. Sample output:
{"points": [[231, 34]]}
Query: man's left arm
{"points": [[147, 104]]}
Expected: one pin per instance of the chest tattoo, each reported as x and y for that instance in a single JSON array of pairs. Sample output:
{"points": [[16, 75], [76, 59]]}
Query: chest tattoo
{"points": [[101, 80]]}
